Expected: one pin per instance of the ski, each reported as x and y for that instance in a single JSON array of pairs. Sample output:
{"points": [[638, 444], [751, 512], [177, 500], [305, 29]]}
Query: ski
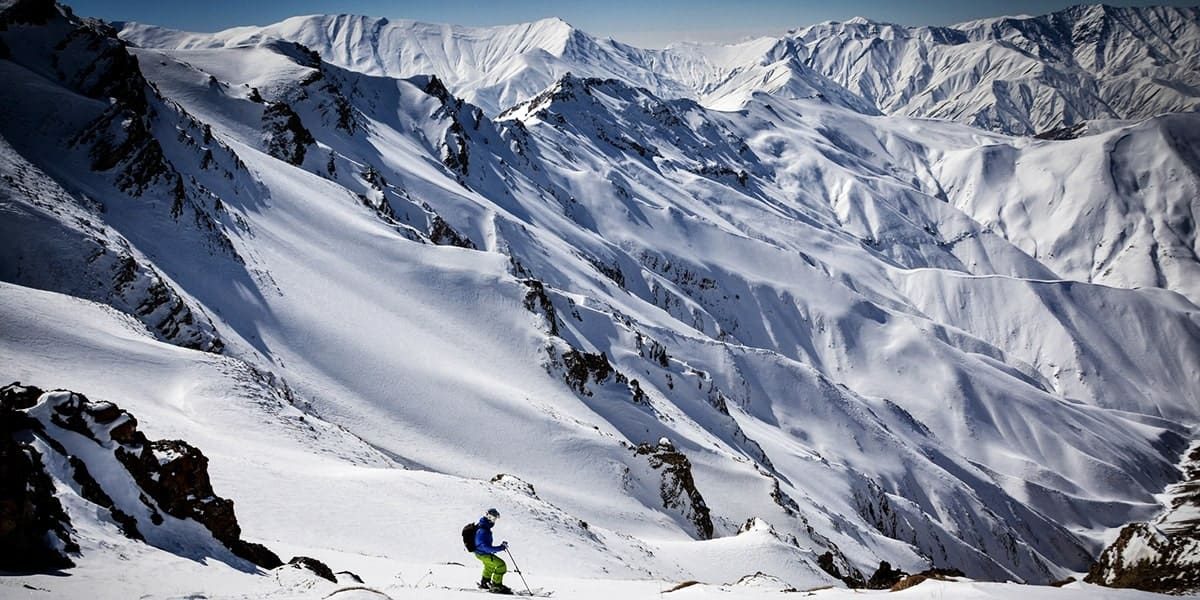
{"points": [[532, 593], [357, 588]]}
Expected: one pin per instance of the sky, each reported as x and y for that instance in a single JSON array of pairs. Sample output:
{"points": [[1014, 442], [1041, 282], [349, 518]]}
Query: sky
{"points": [[645, 23]]}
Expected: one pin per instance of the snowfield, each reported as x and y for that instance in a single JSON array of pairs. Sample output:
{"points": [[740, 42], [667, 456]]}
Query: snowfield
{"points": [[303, 472], [676, 319]]}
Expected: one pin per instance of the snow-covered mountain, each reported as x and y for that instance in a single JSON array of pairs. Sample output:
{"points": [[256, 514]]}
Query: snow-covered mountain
{"points": [[1020, 75], [864, 338], [491, 67], [1016, 75]]}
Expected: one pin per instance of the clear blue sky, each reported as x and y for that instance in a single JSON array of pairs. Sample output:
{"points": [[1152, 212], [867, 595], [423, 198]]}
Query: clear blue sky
{"points": [[648, 23]]}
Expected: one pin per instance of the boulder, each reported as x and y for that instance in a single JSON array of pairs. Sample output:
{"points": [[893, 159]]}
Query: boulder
{"points": [[315, 566]]}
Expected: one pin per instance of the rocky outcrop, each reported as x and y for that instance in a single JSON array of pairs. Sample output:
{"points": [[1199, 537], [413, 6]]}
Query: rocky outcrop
{"points": [[918, 578], [284, 135], [583, 367], [840, 568], [93, 492], [172, 473], [455, 145], [314, 566], [537, 301], [1146, 557], [170, 476], [16, 397], [442, 234], [35, 531], [885, 577], [1162, 555], [678, 489], [121, 139]]}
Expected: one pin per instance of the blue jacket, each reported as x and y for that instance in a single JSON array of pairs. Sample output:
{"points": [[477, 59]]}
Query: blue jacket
{"points": [[483, 538]]}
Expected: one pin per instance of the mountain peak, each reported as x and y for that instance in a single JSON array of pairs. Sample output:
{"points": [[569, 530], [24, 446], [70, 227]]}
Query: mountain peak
{"points": [[554, 23]]}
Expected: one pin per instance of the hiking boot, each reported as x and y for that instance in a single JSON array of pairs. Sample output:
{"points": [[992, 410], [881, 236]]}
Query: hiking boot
{"points": [[499, 588], [485, 584]]}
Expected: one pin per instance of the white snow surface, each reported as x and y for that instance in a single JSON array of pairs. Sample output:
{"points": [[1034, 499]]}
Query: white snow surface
{"points": [[884, 337]]}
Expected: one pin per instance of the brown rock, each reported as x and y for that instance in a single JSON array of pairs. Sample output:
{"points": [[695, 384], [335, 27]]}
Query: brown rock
{"points": [[678, 489], [175, 475]]}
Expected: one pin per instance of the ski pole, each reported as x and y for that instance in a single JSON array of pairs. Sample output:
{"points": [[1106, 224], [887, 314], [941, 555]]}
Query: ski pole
{"points": [[518, 570]]}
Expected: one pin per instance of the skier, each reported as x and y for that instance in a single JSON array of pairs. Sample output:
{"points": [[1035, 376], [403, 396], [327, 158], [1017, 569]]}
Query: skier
{"points": [[494, 567]]}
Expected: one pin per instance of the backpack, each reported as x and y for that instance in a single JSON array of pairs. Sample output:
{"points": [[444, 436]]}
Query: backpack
{"points": [[469, 536]]}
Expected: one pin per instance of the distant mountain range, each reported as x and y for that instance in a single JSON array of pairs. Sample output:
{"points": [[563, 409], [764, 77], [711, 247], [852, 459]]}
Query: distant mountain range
{"points": [[1015, 75]]}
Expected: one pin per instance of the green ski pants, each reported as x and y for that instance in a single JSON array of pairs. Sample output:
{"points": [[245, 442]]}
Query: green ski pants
{"points": [[493, 567]]}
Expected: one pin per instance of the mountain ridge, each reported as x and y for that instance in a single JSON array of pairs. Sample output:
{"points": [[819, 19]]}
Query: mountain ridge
{"points": [[1057, 70]]}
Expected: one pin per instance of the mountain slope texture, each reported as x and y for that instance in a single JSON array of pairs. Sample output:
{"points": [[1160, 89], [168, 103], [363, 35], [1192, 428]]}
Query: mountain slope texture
{"points": [[787, 314]]}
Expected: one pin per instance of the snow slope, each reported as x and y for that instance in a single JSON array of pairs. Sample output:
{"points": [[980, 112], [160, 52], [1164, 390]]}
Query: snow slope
{"points": [[283, 465], [810, 303], [1135, 189]]}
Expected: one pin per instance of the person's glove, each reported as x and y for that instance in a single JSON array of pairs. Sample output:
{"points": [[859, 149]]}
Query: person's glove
{"points": [[504, 545]]}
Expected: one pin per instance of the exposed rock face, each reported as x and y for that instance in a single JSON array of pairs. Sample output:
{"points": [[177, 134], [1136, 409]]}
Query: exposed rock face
{"points": [[1162, 555], [455, 142], [322, 86], [173, 473], [317, 567], [538, 302], [678, 489], [1145, 557], [171, 477], [104, 266], [584, 366], [284, 134], [442, 234], [121, 139], [885, 577], [34, 529], [829, 563]]}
